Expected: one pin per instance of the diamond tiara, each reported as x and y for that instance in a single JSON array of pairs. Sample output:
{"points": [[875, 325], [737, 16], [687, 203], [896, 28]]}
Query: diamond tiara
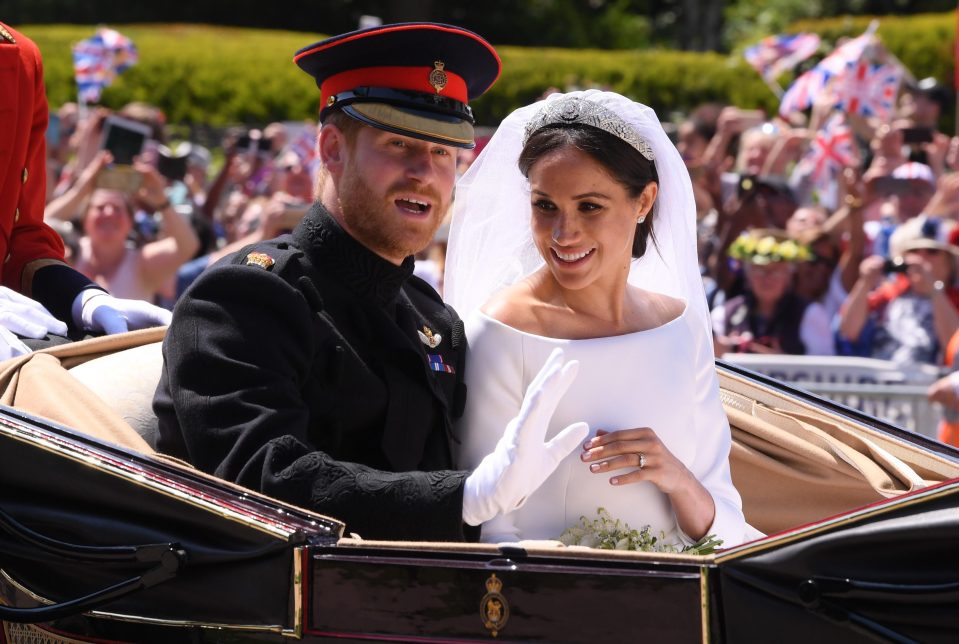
{"points": [[574, 110]]}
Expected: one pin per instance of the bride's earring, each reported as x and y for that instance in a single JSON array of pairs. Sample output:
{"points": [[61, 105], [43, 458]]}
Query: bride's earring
{"points": [[641, 219]]}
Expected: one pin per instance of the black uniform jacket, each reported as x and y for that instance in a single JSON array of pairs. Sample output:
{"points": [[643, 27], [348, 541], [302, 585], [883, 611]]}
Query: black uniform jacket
{"points": [[311, 369]]}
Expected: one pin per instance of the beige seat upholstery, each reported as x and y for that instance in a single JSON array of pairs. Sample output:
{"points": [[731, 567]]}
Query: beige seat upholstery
{"points": [[126, 381]]}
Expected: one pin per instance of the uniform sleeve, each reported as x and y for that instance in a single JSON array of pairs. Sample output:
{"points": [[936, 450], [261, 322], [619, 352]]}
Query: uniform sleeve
{"points": [[242, 343], [495, 379], [34, 262], [30, 238], [713, 440]]}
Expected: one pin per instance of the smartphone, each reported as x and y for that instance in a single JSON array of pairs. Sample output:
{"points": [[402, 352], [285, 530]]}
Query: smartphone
{"points": [[292, 215], [913, 135], [888, 186], [895, 265], [53, 131], [170, 166], [123, 138], [122, 178]]}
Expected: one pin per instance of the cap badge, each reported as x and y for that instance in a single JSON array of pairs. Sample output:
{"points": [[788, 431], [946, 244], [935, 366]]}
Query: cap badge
{"points": [[260, 259], [438, 77], [430, 339], [330, 101]]}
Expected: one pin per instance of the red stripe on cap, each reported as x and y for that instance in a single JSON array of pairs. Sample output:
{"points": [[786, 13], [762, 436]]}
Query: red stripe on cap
{"points": [[416, 79]]}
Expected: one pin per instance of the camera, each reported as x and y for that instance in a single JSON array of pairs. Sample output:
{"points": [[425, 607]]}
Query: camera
{"points": [[248, 144], [895, 265]]}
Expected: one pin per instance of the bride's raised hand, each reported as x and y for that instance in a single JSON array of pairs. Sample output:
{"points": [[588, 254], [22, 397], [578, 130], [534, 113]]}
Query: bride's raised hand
{"points": [[523, 459], [636, 455]]}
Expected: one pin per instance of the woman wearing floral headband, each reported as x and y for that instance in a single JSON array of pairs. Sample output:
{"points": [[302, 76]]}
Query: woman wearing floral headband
{"points": [[770, 317], [575, 230]]}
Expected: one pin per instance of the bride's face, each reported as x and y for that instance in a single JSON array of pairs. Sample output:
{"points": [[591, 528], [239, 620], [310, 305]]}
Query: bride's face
{"points": [[583, 220]]}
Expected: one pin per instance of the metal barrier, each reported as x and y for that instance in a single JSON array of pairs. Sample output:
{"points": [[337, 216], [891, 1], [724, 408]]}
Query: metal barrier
{"points": [[879, 388]]}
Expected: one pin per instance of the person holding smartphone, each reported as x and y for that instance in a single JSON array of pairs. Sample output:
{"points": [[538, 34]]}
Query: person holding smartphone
{"points": [[41, 296], [905, 310]]}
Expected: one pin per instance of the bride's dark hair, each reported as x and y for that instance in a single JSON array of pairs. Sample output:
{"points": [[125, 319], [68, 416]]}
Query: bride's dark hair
{"points": [[623, 162]]}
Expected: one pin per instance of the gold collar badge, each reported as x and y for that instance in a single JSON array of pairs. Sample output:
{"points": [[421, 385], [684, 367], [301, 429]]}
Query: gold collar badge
{"points": [[438, 77], [430, 339], [260, 259]]}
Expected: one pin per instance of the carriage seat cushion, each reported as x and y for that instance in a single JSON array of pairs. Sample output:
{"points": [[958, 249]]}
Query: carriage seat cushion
{"points": [[126, 381]]}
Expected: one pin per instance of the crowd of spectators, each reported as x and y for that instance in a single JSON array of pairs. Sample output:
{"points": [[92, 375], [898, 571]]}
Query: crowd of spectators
{"points": [[862, 264]]}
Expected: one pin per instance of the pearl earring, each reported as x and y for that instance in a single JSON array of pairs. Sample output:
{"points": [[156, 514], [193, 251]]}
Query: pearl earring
{"points": [[641, 219]]}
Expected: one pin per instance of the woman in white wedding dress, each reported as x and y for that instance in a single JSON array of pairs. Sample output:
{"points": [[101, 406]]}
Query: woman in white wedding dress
{"points": [[575, 229]]}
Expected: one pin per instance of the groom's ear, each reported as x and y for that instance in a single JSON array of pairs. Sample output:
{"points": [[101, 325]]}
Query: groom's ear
{"points": [[332, 147]]}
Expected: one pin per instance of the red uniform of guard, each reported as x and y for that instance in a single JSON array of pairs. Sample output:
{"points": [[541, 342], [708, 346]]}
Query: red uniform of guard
{"points": [[31, 251]]}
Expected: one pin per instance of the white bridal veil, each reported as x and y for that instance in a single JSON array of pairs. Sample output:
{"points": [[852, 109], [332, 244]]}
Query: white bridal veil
{"points": [[490, 244]]}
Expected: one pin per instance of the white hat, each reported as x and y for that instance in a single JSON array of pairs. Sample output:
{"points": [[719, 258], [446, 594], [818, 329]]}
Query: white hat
{"points": [[922, 232], [914, 170]]}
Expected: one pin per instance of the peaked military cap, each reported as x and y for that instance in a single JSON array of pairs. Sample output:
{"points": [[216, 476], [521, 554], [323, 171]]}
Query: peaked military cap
{"points": [[415, 79]]}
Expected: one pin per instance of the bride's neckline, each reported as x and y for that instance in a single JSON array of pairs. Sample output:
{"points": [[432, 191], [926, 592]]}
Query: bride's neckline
{"points": [[650, 330]]}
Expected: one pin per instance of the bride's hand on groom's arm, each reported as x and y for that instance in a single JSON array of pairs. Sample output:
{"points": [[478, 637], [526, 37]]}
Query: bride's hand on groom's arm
{"points": [[522, 459], [634, 455]]}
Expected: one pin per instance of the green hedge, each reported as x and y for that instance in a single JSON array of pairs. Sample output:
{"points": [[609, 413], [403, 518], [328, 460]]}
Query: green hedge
{"points": [[195, 73], [219, 76]]}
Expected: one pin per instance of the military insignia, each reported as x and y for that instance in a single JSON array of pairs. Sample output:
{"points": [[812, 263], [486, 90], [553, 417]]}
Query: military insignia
{"points": [[260, 259], [494, 609], [436, 363], [330, 101], [430, 339], [438, 77], [7, 36]]}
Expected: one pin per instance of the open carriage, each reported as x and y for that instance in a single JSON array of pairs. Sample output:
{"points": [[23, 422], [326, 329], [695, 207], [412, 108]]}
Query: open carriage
{"points": [[103, 540]]}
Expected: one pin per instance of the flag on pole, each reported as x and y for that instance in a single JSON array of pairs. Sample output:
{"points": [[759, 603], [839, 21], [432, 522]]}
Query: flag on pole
{"points": [[98, 59], [775, 54], [869, 89], [803, 91]]}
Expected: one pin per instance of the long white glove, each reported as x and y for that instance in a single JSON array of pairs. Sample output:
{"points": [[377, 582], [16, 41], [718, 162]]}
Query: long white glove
{"points": [[98, 311], [19, 315], [521, 461]]}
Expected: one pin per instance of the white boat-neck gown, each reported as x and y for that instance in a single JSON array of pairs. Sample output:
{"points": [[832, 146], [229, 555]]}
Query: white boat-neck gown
{"points": [[663, 378]]}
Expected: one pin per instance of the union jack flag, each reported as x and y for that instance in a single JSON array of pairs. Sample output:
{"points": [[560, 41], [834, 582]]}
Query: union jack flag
{"points": [[775, 54], [832, 149], [809, 85], [303, 145], [803, 91], [98, 59], [869, 89]]}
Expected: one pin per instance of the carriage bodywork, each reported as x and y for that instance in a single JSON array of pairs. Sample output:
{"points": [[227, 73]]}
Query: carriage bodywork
{"points": [[100, 542]]}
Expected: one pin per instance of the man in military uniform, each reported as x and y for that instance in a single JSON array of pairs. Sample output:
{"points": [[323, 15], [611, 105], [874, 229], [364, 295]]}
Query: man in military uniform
{"points": [[41, 296], [315, 367]]}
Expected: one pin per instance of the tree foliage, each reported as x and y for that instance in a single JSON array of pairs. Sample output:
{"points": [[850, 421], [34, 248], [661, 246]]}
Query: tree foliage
{"points": [[596, 24]]}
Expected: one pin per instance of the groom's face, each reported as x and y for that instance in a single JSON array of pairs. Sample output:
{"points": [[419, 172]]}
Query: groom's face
{"points": [[583, 220], [393, 191]]}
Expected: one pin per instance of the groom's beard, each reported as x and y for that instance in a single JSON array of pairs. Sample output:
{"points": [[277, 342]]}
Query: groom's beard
{"points": [[372, 218]]}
